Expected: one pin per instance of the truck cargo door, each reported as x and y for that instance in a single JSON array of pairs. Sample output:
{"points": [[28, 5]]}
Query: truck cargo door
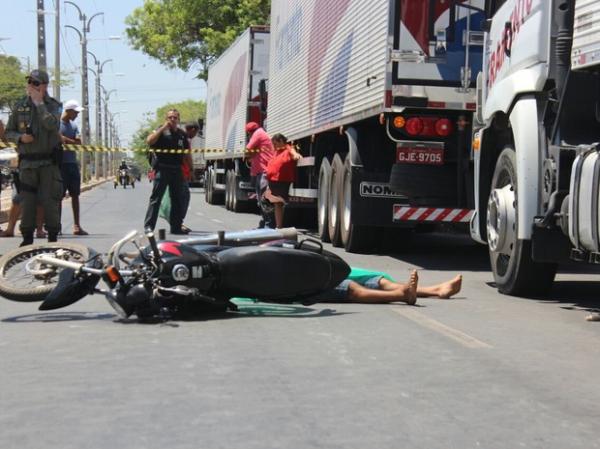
{"points": [[437, 42]]}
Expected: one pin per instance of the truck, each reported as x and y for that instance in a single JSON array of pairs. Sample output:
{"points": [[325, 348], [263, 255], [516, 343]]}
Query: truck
{"points": [[235, 95], [378, 96], [536, 152]]}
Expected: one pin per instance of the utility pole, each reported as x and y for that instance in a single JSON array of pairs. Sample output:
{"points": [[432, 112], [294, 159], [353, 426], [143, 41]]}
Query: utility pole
{"points": [[41, 22], [85, 115], [107, 142], [98, 72], [57, 50]]}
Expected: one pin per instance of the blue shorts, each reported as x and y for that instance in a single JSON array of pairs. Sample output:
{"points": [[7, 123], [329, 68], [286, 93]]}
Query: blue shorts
{"points": [[340, 293], [71, 179]]}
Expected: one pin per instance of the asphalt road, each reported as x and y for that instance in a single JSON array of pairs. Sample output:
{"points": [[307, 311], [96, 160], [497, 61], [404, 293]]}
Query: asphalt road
{"points": [[478, 371]]}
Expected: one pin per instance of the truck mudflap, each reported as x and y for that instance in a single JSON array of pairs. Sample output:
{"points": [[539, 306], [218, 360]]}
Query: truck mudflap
{"points": [[431, 214]]}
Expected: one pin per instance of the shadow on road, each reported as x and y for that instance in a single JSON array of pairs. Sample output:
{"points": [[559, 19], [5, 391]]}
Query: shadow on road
{"points": [[51, 317], [440, 252]]}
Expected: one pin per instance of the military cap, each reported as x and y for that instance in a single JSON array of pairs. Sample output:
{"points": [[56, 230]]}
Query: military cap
{"points": [[40, 76]]}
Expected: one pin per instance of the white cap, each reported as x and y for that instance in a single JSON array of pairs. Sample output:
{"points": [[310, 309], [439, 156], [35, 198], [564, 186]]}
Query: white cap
{"points": [[72, 104]]}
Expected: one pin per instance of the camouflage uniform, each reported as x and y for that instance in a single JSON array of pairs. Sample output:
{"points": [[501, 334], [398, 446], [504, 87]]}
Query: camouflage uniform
{"points": [[40, 179]]}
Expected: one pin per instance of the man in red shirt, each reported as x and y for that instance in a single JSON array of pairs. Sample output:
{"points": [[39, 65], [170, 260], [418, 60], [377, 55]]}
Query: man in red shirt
{"points": [[260, 151]]}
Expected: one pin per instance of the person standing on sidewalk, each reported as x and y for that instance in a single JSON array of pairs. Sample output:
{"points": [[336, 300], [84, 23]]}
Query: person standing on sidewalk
{"points": [[260, 151], [34, 127], [69, 166], [168, 172]]}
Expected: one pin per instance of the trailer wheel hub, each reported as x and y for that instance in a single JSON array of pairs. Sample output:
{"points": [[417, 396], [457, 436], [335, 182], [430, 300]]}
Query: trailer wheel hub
{"points": [[501, 222]]}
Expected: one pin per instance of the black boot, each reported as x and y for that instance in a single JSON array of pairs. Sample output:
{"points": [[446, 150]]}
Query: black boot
{"points": [[52, 236], [27, 239]]}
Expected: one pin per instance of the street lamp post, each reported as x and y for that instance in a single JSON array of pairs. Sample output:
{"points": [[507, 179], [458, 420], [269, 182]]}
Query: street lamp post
{"points": [[98, 72], [84, 69], [85, 117], [107, 143]]}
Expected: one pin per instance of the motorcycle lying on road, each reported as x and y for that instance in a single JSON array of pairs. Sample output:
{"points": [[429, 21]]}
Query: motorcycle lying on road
{"points": [[174, 278]]}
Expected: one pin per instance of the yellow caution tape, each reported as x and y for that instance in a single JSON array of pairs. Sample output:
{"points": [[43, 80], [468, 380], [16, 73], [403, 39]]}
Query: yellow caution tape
{"points": [[101, 149]]}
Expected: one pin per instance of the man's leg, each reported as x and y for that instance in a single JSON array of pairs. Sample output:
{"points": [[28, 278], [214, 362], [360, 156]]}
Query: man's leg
{"points": [[404, 292], [29, 186], [51, 190], [443, 290], [176, 193], [158, 190], [39, 222], [266, 207]]}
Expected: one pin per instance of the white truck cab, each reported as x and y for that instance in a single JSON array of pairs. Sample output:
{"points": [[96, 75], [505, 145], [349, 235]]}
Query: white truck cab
{"points": [[536, 177]]}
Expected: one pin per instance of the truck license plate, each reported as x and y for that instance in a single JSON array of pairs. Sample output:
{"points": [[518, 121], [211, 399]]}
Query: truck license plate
{"points": [[426, 156]]}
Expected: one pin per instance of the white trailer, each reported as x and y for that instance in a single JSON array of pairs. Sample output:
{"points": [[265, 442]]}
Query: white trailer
{"points": [[537, 169], [379, 97], [233, 99]]}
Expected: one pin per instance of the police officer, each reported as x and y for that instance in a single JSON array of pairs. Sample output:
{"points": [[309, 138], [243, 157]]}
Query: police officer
{"points": [[34, 127], [168, 172]]}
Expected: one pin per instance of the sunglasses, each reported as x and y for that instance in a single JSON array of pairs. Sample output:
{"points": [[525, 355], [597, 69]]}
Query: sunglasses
{"points": [[34, 82]]}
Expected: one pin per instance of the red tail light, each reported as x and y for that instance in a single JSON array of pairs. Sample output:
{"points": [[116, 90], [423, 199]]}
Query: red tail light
{"points": [[414, 126], [443, 127]]}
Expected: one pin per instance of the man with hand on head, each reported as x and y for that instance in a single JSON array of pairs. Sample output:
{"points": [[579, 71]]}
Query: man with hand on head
{"points": [[168, 172], [34, 127]]}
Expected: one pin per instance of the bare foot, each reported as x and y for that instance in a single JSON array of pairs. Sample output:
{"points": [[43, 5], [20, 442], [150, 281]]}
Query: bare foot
{"points": [[7, 233], [450, 288], [411, 292], [594, 316]]}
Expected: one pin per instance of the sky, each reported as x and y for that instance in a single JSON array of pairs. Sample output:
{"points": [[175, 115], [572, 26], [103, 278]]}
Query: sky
{"points": [[142, 84]]}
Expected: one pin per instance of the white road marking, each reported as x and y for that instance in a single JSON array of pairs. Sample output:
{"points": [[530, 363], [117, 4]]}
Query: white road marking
{"points": [[217, 221], [447, 331]]}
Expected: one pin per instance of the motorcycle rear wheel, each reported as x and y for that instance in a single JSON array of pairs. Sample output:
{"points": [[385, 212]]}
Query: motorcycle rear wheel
{"points": [[17, 284]]}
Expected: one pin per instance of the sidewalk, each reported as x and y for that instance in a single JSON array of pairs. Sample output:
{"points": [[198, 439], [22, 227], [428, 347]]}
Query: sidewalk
{"points": [[6, 197]]}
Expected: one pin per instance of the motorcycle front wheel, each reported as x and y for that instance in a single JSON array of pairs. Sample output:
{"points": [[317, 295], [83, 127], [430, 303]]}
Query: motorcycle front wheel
{"points": [[24, 279]]}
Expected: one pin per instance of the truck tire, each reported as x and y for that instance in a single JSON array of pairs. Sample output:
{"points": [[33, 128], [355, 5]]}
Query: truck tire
{"points": [[333, 206], [236, 204], [228, 190], [210, 191], [515, 273], [323, 200], [355, 238], [206, 185]]}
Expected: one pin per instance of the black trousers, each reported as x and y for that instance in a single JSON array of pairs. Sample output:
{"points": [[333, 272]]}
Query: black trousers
{"points": [[172, 178]]}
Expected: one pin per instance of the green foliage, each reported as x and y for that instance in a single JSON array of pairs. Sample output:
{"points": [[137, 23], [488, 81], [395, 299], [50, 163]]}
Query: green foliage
{"points": [[192, 33], [12, 81], [189, 111]]}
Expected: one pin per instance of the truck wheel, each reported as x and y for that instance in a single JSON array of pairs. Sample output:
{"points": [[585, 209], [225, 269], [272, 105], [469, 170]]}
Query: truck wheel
{"points": [[236, 204], [355, 238], [208, 187], [323, 200], [515, 273], [228, 190], [333, 205]]}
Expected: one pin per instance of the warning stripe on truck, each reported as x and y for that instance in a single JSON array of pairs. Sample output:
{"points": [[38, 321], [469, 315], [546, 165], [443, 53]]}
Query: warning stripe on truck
{"points": [[432, 214]]}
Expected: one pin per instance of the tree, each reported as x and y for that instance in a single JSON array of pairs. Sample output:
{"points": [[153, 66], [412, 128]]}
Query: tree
{"points": [[189, 111], [12, 81], [187, 33]]}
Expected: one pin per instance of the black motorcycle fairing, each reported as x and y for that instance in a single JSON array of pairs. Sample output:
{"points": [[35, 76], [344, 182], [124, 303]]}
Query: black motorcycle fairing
{"points": [[69, 289], [198, 264], [278, 273]]}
